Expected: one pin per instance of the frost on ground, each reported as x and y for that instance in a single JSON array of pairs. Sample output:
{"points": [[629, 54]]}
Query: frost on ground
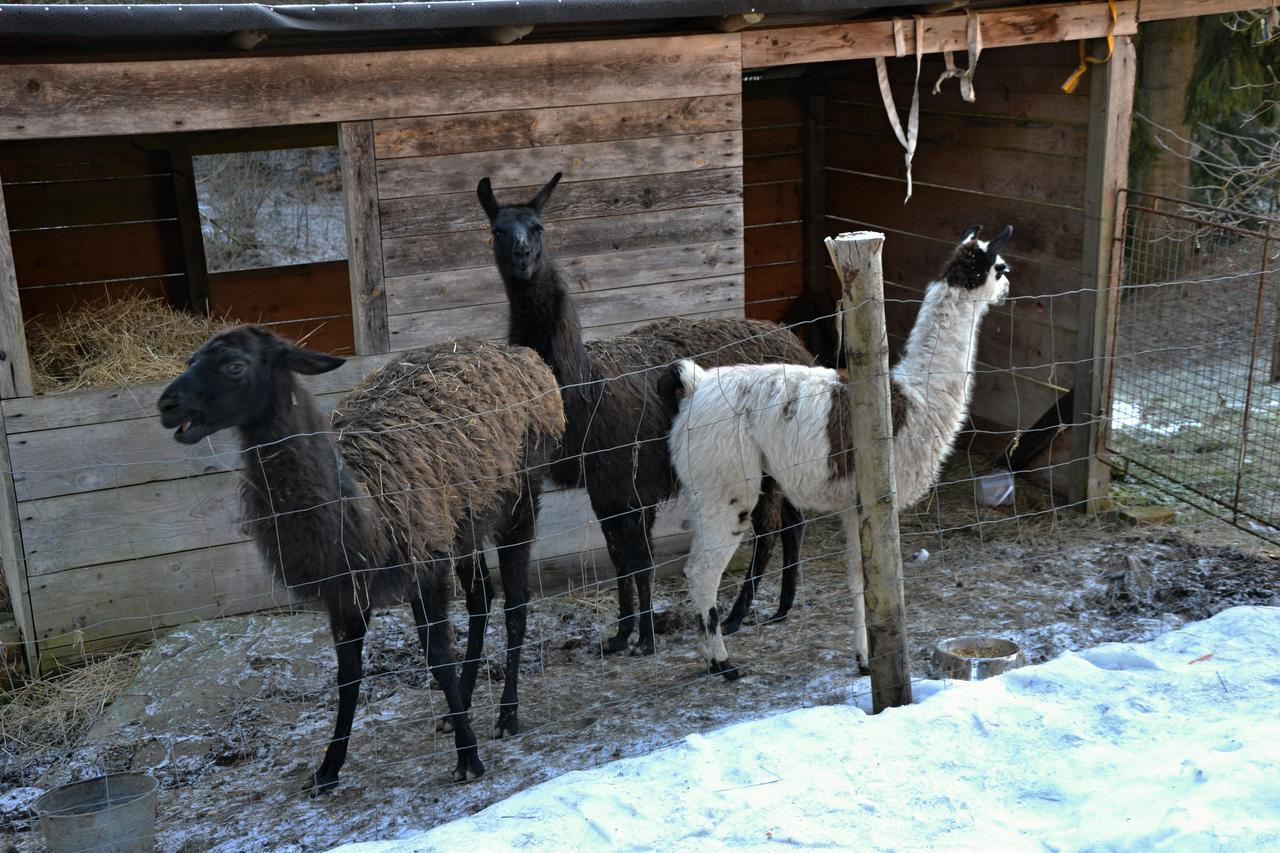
{"points": [[231, 715], [1171, 744]]}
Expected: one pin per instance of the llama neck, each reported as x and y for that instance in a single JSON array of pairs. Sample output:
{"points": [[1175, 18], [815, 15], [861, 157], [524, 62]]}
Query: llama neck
{"points": [[544, 319], [935, 375], [291, 437]]}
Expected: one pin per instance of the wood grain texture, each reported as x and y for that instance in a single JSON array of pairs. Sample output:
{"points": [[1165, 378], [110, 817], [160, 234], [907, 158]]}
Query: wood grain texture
{"points": [[613, 308], [276, 294], [12, 556], [465, 249], [767, 204], [187, 207], [600, 272], [584, 161], [419, 215], [360, 194], [89, 202], [104, 98], [97, 253], [535, 128], [15, 367], [1003, 27]]}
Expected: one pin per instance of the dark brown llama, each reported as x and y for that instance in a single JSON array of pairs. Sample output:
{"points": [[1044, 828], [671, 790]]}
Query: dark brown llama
{"points": [[615, 440], [424, 460]]}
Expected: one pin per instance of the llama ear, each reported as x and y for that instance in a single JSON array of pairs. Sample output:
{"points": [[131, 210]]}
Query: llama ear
{"points": [[970, 234], [306, 361], [545, 193], [997, 242], [484, 191]]}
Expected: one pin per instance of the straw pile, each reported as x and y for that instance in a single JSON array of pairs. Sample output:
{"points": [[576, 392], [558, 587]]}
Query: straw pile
{"points": [[53, 713], [113, 342]]}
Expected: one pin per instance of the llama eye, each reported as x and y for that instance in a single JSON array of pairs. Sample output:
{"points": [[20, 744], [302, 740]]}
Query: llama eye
{"points": [[233, 368]]}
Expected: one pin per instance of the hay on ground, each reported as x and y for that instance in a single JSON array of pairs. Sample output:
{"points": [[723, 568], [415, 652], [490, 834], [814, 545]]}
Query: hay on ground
{"points": [[113, 342]]}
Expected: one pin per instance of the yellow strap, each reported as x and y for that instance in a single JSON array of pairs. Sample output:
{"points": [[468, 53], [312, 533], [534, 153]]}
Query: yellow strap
{"points": [[1085, 60]]}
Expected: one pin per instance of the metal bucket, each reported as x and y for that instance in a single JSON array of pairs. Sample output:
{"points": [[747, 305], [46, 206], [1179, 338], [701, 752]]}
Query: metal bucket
{"points": [[114, 813], [974, 658]]}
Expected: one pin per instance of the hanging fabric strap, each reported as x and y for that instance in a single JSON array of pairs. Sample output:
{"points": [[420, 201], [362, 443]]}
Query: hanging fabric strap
{"points": [[974, 32], [1085, 60], [906, 140]]}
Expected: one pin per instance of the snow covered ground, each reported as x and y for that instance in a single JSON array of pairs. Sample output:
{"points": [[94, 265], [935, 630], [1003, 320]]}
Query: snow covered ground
{"points": [[1171, 744]]}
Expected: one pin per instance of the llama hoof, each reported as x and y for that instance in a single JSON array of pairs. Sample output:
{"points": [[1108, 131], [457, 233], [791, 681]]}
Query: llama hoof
{"points": [[508, 724], [643, 649], [468, 769], [615, 644], [321, 780], [780, 616], [730, 626], [863, 669], [728, 670]]}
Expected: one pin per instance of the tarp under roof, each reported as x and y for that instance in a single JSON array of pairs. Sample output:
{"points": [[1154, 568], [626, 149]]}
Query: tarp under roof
{"points": [[208, 19]]}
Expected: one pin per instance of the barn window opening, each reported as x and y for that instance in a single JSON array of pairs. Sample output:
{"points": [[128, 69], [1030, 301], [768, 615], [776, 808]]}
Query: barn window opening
{"points": [[270, 208]]}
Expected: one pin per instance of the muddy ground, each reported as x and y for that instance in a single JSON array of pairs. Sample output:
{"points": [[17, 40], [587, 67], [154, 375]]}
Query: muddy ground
{"points": [[232, 715]]}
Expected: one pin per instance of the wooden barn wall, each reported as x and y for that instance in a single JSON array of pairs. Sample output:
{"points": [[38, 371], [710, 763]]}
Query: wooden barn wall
{"points": [[646, 222], [1015, 156], [304, 302], [125, 532], [773, 192]]}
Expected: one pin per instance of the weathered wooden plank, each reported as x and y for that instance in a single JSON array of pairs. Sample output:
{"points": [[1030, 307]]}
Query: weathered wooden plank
{"points": [[15, 368], [583, 161], [12, 557], [187, 206], [276, 294], [605, 271], [419, 215], [464, 249], [1043, 231], [1162, 10], [54, 299], [91, 202], [769, 291], [765, 106], [857, 121], [364, 237], [103, 98], [766, 204], [96, 603], [98, 405], [1003, 27], [763, 170], [1032, 177], [623, 306], [97, 253], [532, 128], [134, 521], [1111, 101], [78, 160], [764, 141], [774, 244]]}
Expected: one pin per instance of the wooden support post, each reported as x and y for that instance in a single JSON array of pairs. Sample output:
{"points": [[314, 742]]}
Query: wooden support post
{"points": [[15, 369], [1106, 173], [364, 238], [188, 208], [857, 258]]}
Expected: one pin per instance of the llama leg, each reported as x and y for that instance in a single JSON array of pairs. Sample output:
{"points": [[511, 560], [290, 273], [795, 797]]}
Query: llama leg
{"points": [[645, 576], [622, 534], [717, 532], [853, 570], [792, 541], [765, 519], [480, 593], [433, 630], [348, 629], [513, 557]]}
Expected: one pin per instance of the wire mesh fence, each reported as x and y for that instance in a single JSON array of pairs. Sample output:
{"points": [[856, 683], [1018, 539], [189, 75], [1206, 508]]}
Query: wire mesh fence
{"points": [[1196, 404], [233, 714]]}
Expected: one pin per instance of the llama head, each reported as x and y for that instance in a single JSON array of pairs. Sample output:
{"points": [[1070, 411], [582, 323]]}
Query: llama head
{"points": [[517, 230], [232, 380], [977, 266]]}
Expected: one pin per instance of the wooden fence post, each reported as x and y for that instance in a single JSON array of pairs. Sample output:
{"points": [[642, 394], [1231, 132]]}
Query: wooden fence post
{"points": [[857, 260]]}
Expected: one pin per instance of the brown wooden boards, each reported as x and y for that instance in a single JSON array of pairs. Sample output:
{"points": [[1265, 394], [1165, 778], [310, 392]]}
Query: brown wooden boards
{"points": [[773, 195]]}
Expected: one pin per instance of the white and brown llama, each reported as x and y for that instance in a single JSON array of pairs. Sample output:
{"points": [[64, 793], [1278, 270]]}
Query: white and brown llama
{"points": [[738, 424]]}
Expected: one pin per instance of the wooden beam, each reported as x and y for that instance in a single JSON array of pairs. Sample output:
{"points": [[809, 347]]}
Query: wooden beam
{"points": [[1111, 107], [866, 348], [13, 556], [129, 98], [1000, 28], [188, 210], [1163, 10], [15, 369], [364, 237]]}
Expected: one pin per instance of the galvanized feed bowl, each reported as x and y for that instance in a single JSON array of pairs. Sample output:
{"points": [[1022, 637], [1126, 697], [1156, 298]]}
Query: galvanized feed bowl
{"points": [[108, 813], [975, 658]]}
